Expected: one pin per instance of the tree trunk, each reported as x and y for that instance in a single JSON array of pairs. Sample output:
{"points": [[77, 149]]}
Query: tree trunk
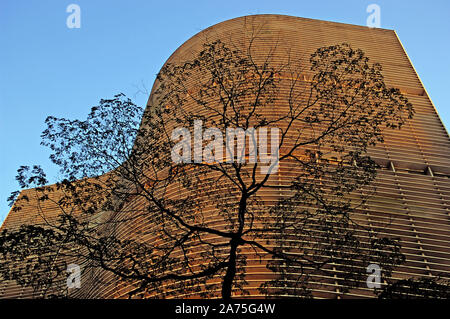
{"points": [[227, 283]]}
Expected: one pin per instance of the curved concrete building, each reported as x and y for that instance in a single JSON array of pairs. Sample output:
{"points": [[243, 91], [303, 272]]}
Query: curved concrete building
{"points": [[412, 201]]}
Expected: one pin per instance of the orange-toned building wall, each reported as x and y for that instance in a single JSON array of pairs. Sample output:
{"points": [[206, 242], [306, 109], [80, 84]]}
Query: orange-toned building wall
{"points": [[413, 187]]}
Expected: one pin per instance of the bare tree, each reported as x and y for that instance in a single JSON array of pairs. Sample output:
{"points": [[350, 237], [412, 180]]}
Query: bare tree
{"points": [[164, 215]]}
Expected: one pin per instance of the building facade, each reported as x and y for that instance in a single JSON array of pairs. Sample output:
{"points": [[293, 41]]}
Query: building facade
{"points": [[412, 201]]}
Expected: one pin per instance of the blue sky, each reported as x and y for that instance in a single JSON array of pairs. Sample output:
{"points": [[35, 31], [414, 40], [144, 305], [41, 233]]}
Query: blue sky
{"points": [[49, 69]]}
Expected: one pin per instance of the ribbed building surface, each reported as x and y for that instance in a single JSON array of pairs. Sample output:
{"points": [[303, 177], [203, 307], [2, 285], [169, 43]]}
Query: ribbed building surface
{"points": [[413, 188]]}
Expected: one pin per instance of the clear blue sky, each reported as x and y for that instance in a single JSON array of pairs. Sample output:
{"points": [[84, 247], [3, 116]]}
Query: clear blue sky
{"points": [[49, 69]]}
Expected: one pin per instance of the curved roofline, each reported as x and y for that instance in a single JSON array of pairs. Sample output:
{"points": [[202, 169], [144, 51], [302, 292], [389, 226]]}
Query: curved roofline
{"points": [[263, 15]]}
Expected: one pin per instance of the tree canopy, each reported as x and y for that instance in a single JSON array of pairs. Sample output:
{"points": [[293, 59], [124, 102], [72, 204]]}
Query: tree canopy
{"points": [[125, 207]]}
